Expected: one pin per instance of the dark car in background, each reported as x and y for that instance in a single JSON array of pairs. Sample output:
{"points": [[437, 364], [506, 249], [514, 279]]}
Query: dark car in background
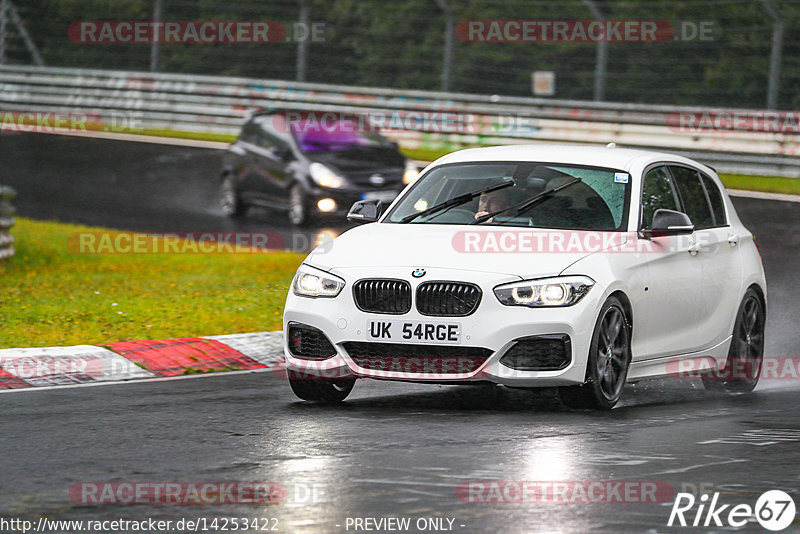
{"points": [[307, 168]]}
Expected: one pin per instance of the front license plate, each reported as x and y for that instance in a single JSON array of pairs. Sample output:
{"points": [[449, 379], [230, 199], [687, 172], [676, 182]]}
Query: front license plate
{"points": [[384, 196], [414, 331]]}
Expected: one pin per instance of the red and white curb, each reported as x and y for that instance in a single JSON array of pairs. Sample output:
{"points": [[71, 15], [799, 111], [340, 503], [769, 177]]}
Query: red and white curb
{"points": [[133, 360]]}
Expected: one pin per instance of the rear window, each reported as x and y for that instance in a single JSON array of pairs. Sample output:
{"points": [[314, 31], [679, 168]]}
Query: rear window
{"points": [[715, 197]]}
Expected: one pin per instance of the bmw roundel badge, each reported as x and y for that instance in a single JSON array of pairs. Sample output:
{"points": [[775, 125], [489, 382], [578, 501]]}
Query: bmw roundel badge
{"points": [[418, 273]]}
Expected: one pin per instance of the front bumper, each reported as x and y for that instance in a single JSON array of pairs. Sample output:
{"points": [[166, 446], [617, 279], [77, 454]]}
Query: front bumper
{"points": [[492, 326]]}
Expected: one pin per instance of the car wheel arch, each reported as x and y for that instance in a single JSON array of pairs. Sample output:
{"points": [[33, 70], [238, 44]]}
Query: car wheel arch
{"points": [[590, 394], [762, 299], [626, 306], [760, 293]]}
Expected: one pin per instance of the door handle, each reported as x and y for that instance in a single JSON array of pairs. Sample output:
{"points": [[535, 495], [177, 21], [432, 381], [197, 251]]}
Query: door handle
{"points": [[733, 240], [694, 248]]}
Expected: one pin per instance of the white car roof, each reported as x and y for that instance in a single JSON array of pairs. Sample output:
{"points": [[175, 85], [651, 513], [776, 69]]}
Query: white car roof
{"points": [[600, 156]]}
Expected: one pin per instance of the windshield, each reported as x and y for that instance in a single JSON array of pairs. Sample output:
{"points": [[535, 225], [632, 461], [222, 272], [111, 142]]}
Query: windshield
{"points": [[336, 137], [598, 202]]}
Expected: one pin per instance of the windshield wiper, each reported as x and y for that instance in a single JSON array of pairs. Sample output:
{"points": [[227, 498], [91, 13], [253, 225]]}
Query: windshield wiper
{"points": [[522, 206], [455, 201]]}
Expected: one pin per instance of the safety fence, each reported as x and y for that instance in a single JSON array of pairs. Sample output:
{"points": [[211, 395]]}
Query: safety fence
{"points": [[743, 141]]}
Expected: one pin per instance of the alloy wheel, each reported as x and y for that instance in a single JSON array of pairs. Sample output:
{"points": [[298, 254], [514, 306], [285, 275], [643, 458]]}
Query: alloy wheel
{"points": [[612, 353]]}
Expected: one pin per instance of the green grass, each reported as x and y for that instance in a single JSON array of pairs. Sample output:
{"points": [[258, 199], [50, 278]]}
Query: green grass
{"points": [[200, 136], [52, 296], [767, 184]]}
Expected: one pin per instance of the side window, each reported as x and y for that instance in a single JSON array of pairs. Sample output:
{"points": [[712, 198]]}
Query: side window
{"points": [[265, 139], [693, 195], [249, 133], [717, 206], [269, 139], [657, 194]]}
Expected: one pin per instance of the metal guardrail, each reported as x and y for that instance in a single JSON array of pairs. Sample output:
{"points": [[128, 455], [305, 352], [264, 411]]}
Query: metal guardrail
{"points": [[6, 222], [213, 104]]}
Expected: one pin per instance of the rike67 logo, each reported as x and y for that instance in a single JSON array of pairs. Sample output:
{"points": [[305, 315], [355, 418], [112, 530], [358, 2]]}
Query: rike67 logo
{"points": [[774, 510]]}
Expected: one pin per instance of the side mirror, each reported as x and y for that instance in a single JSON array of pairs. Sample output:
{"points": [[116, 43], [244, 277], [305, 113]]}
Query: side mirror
{"points": [[669, 222], [365, 211]]}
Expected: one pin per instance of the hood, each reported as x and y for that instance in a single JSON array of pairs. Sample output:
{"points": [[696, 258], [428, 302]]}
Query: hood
{"points": [[523, 252], [361, 160]]}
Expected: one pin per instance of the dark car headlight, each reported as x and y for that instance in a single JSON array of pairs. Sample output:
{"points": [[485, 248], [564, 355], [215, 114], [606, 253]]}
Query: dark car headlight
{"points": [[324, 176]]}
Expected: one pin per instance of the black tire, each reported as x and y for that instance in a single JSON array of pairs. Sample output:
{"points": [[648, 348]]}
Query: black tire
{"points": [[608, 362], [230, 200], [298, 206], [746, 354], [320, 390]]}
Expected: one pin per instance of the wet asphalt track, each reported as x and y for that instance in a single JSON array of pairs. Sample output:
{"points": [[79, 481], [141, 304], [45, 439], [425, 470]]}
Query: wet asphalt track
{"points": [[391, 449]]}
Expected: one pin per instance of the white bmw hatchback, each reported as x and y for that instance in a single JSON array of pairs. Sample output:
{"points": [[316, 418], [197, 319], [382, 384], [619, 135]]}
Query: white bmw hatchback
{"points": [[581, 268]]}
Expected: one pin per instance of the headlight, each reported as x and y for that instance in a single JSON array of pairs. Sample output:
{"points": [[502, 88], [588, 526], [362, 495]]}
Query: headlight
{"points": [[324, 176], [310, 282], [411, 174], [545, 292]]}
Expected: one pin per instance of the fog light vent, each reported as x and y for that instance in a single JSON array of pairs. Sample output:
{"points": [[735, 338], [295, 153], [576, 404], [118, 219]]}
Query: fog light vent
{"points": [[309, 343], [539, 353]]}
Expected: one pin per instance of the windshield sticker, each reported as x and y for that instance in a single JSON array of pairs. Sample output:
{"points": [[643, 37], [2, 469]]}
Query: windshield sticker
{"points": [[621, 177]]}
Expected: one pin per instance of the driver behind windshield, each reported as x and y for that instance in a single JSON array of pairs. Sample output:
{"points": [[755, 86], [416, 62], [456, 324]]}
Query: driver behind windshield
{"points": [[493, 201]]}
